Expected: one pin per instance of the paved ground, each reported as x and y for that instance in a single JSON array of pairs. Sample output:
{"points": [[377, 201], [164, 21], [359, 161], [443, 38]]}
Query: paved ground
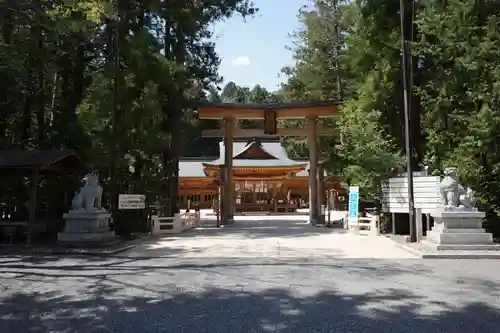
{"points": [[239, 280]]}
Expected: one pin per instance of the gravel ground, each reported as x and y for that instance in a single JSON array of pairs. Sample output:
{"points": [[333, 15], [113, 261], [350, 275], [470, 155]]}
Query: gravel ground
{"points": [[253, 288]]}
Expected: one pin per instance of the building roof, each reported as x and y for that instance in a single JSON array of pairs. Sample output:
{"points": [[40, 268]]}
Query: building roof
{"points": [[266, 153], [45, 160]]}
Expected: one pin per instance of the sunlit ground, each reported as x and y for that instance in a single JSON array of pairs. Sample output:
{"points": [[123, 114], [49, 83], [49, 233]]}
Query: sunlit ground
{"points": [[265, 274]]}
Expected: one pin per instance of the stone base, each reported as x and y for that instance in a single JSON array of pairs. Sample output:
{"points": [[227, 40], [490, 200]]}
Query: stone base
{"points": [[460, 229], [86, 227], [80, 237]]}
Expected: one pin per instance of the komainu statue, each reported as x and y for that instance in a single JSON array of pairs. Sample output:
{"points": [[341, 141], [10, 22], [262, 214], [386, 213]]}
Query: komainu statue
{"points": [[453, 194], [89, 196], [468, 199]]}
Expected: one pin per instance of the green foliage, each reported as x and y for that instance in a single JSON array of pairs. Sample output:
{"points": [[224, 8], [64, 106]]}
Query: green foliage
{"points": [[454, 96], [458, 46], [336, 50], [90, 75], [368, 154]]}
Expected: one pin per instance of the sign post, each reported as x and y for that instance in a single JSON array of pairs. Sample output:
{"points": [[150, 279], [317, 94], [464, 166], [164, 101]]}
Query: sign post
{"points": [[353, 205], [131, 201]]}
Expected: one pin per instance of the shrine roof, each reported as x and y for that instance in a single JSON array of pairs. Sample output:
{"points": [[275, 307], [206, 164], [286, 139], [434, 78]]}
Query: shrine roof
{"points": [[267, 153], [257, 153]]}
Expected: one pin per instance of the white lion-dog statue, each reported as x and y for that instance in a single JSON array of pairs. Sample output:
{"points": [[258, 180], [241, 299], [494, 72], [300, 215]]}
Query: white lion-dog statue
{"points": [[89, 196], [453, 194]]}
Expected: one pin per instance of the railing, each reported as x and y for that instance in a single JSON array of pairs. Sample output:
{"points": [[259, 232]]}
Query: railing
{"points": [[173, 225], [190, 220], [368, 225]]}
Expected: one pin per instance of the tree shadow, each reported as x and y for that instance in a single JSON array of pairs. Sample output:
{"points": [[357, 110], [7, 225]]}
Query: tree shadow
{"points": [[94, 267], [104, 309]]}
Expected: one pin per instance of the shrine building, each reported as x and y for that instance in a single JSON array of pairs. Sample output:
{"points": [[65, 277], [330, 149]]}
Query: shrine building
{"points": [[265, 178]]}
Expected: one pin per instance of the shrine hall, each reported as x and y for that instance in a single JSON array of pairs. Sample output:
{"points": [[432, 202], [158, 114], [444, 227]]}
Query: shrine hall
{"points": [[265, 179]]}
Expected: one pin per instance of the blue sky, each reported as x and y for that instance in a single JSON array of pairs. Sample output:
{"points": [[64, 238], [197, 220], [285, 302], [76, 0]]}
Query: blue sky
{"points": [[253, 52]]}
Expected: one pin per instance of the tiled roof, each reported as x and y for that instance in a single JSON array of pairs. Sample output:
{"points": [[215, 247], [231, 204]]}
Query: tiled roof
{"points": [[194, 168], [191, 169], [273, 148]]}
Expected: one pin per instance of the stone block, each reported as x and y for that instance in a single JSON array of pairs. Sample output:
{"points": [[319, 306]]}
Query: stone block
{"points": [[86, 237], [460, 229], [86, 227]]}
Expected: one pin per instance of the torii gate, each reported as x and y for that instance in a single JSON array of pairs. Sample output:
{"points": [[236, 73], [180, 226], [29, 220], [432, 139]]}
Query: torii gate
{"points": [[271, 113]]}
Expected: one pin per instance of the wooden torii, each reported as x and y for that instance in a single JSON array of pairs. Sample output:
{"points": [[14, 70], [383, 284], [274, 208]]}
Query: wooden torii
{"points": [[271, 113]]}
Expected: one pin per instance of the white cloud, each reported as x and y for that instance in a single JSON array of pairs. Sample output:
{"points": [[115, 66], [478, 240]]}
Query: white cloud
{"points": [[241, 61]]}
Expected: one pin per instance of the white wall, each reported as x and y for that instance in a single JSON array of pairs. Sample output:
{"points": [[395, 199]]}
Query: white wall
{"points": [[425, 192]]}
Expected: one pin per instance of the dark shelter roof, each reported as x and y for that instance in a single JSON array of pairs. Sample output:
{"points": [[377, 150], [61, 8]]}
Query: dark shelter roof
{"points": [[65, 161]]}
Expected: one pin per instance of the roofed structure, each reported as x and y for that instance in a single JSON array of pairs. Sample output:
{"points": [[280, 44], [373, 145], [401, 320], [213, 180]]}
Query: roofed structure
{"points": [[51, 160], [259, 166]]}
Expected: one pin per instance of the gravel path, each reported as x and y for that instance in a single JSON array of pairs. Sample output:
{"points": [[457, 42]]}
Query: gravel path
{"points": [[237, 281]]}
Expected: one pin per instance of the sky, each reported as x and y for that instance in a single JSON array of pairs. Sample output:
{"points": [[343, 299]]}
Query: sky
{"points": [[253, 52]]}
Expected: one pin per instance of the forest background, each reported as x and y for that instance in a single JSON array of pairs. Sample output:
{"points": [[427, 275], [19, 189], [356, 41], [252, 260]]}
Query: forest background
{"points": [[114, 80]]}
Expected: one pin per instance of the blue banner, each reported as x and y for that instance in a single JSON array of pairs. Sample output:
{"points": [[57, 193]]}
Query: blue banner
{"points": [[353, 203]]}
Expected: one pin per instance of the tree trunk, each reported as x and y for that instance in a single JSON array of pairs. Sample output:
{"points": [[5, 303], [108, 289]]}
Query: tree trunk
{"points": [[40, 89]]}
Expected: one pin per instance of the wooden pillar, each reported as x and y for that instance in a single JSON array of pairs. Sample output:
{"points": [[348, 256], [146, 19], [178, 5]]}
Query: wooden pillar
{"points": [[254, 194], [329, 206], [222, 195], [229, 122], [35, 177], [218, 208], [275, 203], [321, 192], [313, 170]]}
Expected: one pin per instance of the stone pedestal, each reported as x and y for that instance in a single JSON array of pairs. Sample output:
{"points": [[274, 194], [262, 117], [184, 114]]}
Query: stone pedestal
{"points": [[83, 226], [460, 229]]}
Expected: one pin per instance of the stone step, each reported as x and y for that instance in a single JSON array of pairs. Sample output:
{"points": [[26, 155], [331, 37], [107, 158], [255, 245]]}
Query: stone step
{"points": [[463, 230], [460, 238], [469, 247]]}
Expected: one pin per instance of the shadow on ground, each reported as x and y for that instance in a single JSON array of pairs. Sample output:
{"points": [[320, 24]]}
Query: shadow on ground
{"points": [[92, 267], [222, 310]]}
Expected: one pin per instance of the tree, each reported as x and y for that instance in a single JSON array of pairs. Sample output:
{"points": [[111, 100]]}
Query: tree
{"points": [[59, 64], [458, 48]]}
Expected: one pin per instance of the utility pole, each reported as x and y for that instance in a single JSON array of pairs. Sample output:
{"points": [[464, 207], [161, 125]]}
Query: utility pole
{"points": [[115, 112], [338, 48], [404, 67]]}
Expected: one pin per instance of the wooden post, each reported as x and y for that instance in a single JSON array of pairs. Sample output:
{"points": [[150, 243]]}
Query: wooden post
{"points": [[313, 170], [393, 220], [274, 197], [418, 219], [254, 194], [222, 195], [217, 208], [328, 205], [32, 205], [321, 193], [228, 146]]}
